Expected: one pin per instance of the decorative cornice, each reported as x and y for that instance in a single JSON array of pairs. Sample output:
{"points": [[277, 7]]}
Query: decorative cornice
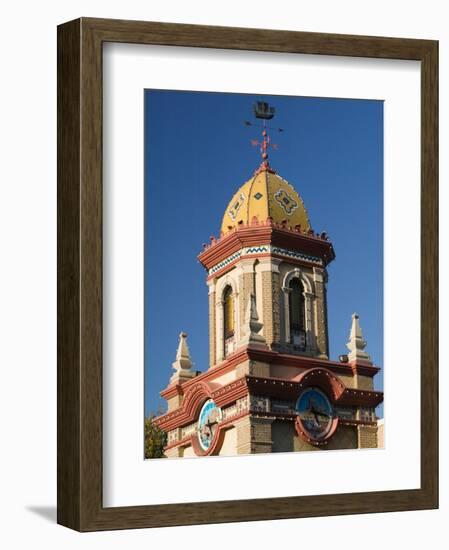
{"points": [[291, 389], [306, 362], [334, 387], [225, 395], [367, 398], [231, 392], [364, 369], [270, 356], [258, 234], [225, 366], [196, 396]]}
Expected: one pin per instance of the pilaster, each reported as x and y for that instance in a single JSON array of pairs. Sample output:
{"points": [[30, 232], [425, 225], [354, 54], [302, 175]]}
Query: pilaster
{"points": [[367, 437], [243, 427], [269, 271], [246, 278], [261, 436], [212, 324], [322, 344]]}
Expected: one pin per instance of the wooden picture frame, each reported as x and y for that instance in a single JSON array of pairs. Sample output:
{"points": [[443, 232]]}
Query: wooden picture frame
{"points": [[80, 351]]}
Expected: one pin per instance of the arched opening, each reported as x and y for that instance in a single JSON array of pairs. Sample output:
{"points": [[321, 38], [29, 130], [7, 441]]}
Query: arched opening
{"points": [[228, 320], [297, 314]]}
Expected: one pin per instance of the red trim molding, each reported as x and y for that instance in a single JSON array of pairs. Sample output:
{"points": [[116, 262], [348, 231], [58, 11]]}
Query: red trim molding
{"points": [[272, 387], [266, 355], [281, 388], [334, 388], [196, 396], [366, 398], [227, 365], [231, 392], [260, 233], [215, 445], [324, 379], [305, 362]]}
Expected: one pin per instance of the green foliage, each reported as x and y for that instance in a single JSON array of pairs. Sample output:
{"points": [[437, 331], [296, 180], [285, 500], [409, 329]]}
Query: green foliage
{"points": [[155, 439]]}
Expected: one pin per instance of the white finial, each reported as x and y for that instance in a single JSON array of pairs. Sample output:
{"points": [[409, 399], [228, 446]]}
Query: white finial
{"points": [[356, 344], [252, 326], [183, 364]]}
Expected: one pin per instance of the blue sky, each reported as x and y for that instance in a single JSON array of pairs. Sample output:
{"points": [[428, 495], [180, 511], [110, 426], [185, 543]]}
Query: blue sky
{"points": [[197, 154]]}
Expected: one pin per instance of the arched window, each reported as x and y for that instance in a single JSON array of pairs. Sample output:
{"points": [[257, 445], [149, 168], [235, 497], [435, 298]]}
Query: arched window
{"points": [[228, 301], [228, 320], [296, 314]]}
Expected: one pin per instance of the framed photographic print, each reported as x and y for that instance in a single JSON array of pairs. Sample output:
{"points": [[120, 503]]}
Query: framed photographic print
{"points": [[247, 274]]}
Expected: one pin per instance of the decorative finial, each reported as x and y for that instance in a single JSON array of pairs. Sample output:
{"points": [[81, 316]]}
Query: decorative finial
{"points": [[262, 110], [252, 326], [183, 363], [356, 344]]}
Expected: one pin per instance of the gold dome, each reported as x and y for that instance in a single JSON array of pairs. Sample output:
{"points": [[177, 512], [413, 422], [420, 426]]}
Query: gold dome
{"points": [[265, 195]]}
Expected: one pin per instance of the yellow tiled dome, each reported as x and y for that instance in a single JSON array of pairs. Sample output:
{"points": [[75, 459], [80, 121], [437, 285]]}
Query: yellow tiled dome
{"points": [[265, 195]]}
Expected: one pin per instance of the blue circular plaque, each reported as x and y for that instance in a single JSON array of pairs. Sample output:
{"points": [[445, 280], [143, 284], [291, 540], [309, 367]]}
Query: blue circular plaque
{"points": [[315, 413], [210, 416]]}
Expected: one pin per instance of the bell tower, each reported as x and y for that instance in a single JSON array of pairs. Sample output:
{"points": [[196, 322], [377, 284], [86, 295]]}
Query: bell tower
{"points": [[270, 385], [268, 249], [284, 268]]}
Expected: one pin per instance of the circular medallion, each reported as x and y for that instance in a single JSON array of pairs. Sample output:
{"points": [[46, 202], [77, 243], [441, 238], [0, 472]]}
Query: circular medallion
{"points": [[210, 416], [316, 419]]}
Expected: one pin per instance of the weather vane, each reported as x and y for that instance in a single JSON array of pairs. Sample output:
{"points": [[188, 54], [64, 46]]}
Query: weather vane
{"points": [[263, 111]]}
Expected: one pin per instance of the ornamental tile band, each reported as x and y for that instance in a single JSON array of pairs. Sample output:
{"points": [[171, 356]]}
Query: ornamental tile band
{"points": [[225, 262], [257, 250], [265, 249], [296, 255]]}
